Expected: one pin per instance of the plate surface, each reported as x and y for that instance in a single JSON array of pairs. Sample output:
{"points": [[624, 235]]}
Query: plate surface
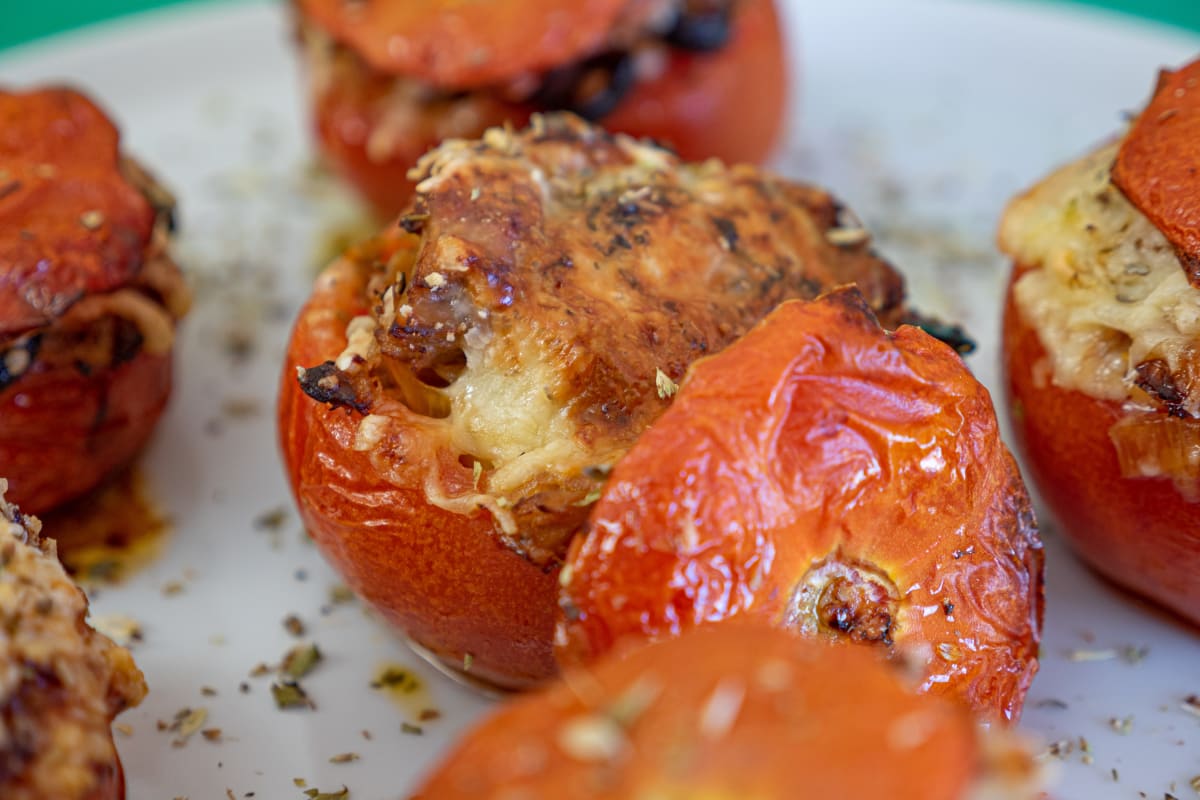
{"points": [[925, 115]]}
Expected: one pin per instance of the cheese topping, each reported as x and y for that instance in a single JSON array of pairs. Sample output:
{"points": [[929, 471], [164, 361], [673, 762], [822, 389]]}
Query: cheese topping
{"points": [[61, 682], [1105, 291], [553, 281]]}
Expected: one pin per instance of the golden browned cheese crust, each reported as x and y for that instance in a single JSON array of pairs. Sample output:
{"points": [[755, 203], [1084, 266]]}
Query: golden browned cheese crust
{"points": [[558, 283], [61, 682]]}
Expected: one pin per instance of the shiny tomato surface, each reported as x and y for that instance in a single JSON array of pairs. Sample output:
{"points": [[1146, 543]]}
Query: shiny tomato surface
{"points": [[731, 711], [78, 396], [1142, 533], [727, 104], [833, 479], [443, 578]]}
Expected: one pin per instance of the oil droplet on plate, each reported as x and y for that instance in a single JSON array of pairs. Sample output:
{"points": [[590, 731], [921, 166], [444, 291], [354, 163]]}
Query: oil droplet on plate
{"points": [[407, 690], [110, 533]]}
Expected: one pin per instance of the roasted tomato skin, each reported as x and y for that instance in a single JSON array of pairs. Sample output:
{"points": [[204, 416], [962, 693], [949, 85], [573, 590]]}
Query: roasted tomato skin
{"points": [[1141, 533], [727, 104], [808, 720], [83, 239], [829, 478], [395, 549], [63, 431]]}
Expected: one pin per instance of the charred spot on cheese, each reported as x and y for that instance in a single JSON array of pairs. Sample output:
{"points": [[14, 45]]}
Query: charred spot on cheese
{"points": [[1105, 290], [516, 337]]}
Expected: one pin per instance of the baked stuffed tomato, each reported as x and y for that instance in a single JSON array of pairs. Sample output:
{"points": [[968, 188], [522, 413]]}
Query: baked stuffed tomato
{"points": [[63, 683], [732, 711], [468, 378], [831, 478], [705, 76], [1102, 348], [89, 298]]}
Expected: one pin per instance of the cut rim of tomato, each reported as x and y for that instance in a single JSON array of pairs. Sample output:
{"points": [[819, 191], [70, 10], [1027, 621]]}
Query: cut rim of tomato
{"points": [[1158, 165], [461, 44]]}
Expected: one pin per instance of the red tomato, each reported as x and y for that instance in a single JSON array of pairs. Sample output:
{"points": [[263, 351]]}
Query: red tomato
{"points": [[394, 548], [1142, 533], [731, 711], [451, 44], [727, 104], [80, 389], [1158, 162], [833, 479], [63, 432]]}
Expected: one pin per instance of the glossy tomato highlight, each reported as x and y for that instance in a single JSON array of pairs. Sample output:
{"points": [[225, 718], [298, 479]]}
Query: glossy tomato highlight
{"points": [[833, 479]]}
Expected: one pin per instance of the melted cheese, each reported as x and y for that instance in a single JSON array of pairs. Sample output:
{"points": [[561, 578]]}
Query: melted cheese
{"points": [[58, 745], [1106, 291]]}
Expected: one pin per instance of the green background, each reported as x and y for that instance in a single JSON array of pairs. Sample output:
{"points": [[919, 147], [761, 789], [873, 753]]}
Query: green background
{"points": [[49, 16]]}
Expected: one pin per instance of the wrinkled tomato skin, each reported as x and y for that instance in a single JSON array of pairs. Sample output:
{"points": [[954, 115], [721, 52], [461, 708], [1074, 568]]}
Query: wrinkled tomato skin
{"points": [[811, 721], [728, 105], [63, 427], [1139, 532], [62, 432], [816, 443], [495, 619]]}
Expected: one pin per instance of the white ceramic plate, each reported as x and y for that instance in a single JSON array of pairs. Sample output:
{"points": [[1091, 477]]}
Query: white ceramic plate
{"points": [[924, 114]]}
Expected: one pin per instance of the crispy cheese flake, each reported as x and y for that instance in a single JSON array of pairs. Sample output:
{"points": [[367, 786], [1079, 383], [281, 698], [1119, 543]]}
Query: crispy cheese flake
{"points": [[122, 629], [847, 237], [666, 386]]}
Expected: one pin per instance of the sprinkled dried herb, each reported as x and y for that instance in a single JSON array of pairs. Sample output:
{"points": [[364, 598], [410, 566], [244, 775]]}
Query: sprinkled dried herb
{"points": [[271, 520], [289, 694], [186, 722], [396, 678], [317, 794], [293, 625], [301, 660], [1122, 725]]}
